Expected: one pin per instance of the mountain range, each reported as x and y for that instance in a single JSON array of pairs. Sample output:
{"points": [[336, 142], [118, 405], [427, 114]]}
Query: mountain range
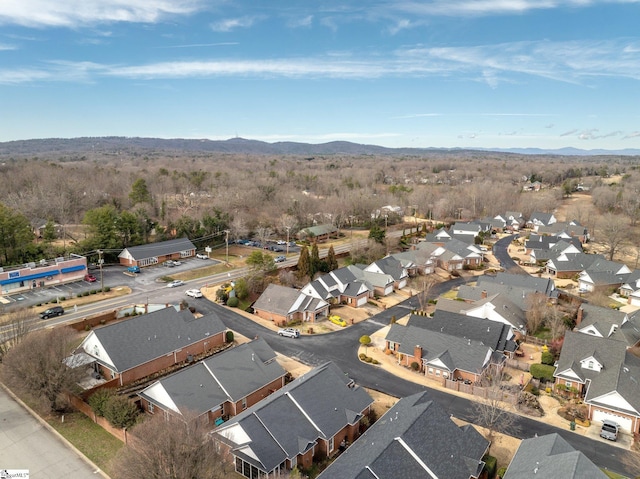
{"points": [[84, 145]]}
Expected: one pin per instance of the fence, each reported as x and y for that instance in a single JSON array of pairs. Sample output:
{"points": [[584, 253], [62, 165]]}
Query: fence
{"points": [[517, 364], [535, 341], [482, 392], [84, 408]]}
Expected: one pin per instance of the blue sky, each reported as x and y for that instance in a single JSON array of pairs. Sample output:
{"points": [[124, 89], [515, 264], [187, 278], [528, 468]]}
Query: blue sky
{"points": [[433, 73]]}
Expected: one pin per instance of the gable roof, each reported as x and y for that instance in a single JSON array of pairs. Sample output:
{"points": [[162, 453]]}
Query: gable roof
{"points": [[390, 266], [162, 248], [416, 438], [288, 422], [551, 456], [493, 334], [229, 376], [601, 319], [543, 285], [452, 351], [619, 372], [283, 301], [319, 230], [140, 339]]}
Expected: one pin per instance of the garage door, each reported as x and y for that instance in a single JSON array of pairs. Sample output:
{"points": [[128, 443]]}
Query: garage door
{"points": [[362, 301], [625, 423]]}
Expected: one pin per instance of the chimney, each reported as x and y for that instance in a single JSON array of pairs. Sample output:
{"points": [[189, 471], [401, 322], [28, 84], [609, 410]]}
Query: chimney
{"points": [[579, 316], [417, 354], [483, 295]]}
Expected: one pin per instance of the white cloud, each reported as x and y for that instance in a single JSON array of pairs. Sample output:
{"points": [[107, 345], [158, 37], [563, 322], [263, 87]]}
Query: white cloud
{"points": [[230, 24], [300, 22], [74, 13], [633, 134], [4, 46]]}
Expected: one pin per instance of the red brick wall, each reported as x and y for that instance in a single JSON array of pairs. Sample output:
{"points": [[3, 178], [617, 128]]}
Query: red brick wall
{"points": [[269, 316]]}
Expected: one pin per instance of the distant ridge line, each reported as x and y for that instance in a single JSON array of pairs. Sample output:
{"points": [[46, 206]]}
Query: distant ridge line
{"points": [[75, 146]]}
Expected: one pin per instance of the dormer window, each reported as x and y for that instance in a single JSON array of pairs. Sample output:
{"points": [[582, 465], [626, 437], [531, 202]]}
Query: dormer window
{"points": [[590, 365]]}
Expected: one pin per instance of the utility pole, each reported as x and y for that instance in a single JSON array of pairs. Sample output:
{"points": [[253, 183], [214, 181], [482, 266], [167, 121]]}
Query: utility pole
{"points": [[100, 261], [226, 241]]}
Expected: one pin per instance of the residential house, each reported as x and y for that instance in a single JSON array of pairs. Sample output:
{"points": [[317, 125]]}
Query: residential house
{"points": [[512, 220], [305, 421], [410, 441], [568, 265], [605, 374], [453, 254], [608, 323], [538, 219], [343, 286], [566, 229], [218, 387], [284, 305], [392, 267], [318, 233], [603, 274], [551, 456], [440, 355], [417, 261], [134, 348], [497, 336], [154, 253], [496, 307]]}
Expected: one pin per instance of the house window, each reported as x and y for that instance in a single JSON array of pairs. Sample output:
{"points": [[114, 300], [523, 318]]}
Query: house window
{"points": [[437, 372], [568, 384], [590, 364], [222, 409], [331, 445], [244, 403], [430, 370], [150, 408]]}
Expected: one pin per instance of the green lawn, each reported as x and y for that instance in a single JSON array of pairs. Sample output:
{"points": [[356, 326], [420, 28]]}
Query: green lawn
{"points": [[89, 438], [613, 475]]}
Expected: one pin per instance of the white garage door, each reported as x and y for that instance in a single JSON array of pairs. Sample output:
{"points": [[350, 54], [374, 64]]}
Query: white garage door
{"points": [[625, 423], [362, 301]]}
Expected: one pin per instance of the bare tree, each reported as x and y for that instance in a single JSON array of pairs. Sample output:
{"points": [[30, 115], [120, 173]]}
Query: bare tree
{"points": [[613, 233], [555, 323], [37, 366], [423, 285], [536, 311], [491, 412], [16, 327], [174, 449]]}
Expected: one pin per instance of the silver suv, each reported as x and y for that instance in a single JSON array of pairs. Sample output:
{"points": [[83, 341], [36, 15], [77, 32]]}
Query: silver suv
{"points": [[609, 430], [289, 332]]}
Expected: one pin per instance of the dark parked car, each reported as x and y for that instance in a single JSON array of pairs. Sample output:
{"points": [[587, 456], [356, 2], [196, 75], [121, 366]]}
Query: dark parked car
{"points": [[52, 312]]}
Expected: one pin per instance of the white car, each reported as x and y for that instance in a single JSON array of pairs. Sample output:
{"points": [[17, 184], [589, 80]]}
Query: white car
{"points": [[280, 259], [281, 242], [289, 332], [175, 283], [177, 263], [194, 293], [202, 256]]}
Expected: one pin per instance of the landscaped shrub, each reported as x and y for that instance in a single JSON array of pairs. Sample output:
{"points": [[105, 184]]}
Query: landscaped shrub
{"points": [[99, 399], [542, 371], [362, 356], [375, 361], [233, 302], [368, 359], [547, 358], [120, 412], [107, 289], [229, 336], [62, 298], [502, 471], [415, 366], [490, 464]]}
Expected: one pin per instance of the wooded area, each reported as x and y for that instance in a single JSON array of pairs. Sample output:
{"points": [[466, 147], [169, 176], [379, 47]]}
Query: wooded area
{"points": [[108, 200]]}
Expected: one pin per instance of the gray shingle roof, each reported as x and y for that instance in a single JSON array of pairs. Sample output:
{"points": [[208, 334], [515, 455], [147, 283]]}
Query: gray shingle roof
{"points": [[551, 456], [602, 319], [543, 285], [464, 354], [140, 339], [162, 248], [290, 421], [226, 377], [414, 436]]}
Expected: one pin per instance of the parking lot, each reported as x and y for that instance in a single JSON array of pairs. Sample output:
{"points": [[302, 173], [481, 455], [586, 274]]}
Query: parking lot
{"points": [[112, 275]]}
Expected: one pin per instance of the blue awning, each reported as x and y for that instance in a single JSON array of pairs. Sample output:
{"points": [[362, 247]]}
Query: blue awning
{"points": [[71, 269], [29, 277]]}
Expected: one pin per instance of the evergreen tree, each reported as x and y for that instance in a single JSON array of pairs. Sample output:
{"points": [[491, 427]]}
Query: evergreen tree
{"points": [[377, 234], [304, 263], [332, 261], [316, 264], [139, 192]]}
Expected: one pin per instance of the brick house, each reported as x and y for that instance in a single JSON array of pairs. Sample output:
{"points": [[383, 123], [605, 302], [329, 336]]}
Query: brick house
{"points": [[218, 387], [304, 422], [284, 305], [155, 253], [142, 345]]}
